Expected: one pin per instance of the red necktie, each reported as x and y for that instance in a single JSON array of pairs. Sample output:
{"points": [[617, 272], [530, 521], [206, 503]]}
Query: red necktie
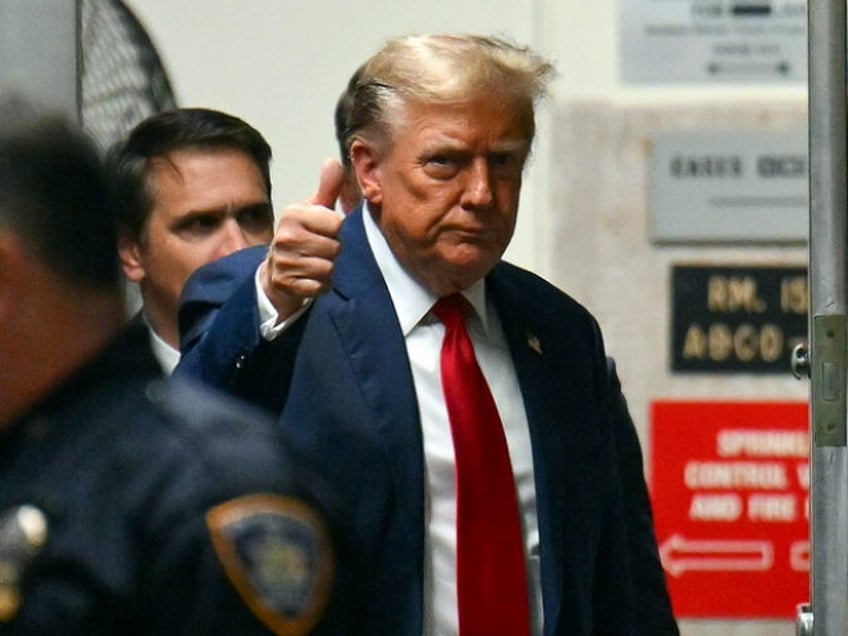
{"points": [[491, 577]]}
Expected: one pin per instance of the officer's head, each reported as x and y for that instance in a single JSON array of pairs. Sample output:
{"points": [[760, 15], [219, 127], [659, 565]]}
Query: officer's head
{"points": [[61, 297], [55, 199]]}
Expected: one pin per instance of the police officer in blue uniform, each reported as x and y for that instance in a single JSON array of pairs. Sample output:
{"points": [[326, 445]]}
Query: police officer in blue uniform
{"points": [[129, 504]]}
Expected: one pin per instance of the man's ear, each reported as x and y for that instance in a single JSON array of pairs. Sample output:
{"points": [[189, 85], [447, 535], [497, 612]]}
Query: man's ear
{"points": [[350, 195], [12, 271], [131, 262], [366, 165]]}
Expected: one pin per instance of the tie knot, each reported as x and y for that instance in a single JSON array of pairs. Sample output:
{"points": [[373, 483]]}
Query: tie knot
{"points": [[452, 310]]}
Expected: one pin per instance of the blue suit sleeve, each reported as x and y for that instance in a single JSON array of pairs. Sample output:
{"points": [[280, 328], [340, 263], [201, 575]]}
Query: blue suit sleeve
{"points": [[222, 346]]}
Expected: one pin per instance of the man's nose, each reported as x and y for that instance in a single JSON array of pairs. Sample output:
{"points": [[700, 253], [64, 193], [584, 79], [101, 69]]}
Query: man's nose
{"points": [[478, 189], [233, 237]]}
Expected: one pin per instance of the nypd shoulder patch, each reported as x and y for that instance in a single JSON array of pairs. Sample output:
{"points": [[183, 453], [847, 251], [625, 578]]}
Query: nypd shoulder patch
{"points": [[277, 553]]}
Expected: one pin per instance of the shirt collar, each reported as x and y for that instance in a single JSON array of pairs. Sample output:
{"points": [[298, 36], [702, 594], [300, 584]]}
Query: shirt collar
{"points": [[167, 355], [411, 300]]}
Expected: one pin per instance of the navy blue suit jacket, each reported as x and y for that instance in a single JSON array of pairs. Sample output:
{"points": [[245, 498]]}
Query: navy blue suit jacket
{"points": [[342, 381]]}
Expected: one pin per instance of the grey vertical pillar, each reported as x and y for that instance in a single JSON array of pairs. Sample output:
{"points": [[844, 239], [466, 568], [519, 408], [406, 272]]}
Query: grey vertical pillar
{"points": [[39, 52], [828, 184]]}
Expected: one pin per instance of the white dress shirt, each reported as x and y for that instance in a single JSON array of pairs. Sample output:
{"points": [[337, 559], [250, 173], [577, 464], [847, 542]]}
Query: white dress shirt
{"points": [[167, 356]]}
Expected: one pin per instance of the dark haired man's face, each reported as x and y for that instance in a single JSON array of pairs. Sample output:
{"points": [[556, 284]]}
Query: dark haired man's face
{"points": [[207, 204]]}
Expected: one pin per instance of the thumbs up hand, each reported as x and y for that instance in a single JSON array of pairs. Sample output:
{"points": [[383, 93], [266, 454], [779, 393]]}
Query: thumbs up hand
{"points": [[300, 260]]}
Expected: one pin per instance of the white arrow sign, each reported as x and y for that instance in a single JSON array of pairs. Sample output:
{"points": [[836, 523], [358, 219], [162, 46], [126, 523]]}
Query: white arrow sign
{"points": [[679, 555], [799, 556]]}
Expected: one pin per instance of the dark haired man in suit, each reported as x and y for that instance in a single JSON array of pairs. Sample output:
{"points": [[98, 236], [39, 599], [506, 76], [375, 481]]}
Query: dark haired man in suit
{"points": [[193, 185]]}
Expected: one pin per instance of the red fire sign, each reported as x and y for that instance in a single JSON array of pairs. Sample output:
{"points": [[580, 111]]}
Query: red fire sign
{"points": [[730, 488]]}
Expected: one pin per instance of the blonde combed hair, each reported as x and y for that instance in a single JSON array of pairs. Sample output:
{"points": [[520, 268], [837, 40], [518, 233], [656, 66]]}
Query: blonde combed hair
{"points": [[446, 69]]}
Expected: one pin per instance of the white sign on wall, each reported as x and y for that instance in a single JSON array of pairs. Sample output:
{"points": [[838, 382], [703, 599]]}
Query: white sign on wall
{"points": [[713, 41], [729, 186]]}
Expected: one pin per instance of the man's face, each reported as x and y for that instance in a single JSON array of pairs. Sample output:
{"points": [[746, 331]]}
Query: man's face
{"points": [[206, 204], [445, 193]]}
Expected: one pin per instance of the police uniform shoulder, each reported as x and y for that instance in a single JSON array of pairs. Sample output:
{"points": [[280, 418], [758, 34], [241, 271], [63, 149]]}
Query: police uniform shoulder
{"points": [[202, 418], [267, 524], [268, 529], [196, 405]]}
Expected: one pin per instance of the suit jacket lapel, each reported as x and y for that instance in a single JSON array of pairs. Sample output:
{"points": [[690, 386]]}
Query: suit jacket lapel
{"points": [[527, 347], [552, 414], [369, 330]]}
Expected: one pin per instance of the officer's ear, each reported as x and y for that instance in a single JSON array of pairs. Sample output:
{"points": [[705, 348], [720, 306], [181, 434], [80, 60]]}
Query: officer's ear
{"points": [[13, 257], [366, 161]]}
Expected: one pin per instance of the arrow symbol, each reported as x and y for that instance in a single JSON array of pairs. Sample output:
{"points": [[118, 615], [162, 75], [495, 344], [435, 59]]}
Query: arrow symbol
{"points": [[799, 556], [679, 555]]}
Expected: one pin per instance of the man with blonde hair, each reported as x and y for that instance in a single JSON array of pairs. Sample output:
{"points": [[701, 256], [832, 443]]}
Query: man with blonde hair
{"points": [[461, 403]]}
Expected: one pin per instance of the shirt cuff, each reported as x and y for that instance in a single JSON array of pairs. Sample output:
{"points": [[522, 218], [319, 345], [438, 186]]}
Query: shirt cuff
{"points": [[268, 314]]}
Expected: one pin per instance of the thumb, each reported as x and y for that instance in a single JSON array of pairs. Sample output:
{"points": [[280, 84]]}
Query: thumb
{"points": [[330, 184]]}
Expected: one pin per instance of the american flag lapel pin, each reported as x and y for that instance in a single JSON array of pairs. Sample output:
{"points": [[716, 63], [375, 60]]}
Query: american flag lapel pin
{"points": [[534, 343]]}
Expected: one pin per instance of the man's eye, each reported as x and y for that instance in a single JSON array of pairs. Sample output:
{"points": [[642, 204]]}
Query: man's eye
{"points": [[256, 219], [506, 164], [506, 160], [199, 226], [441, 166]]}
